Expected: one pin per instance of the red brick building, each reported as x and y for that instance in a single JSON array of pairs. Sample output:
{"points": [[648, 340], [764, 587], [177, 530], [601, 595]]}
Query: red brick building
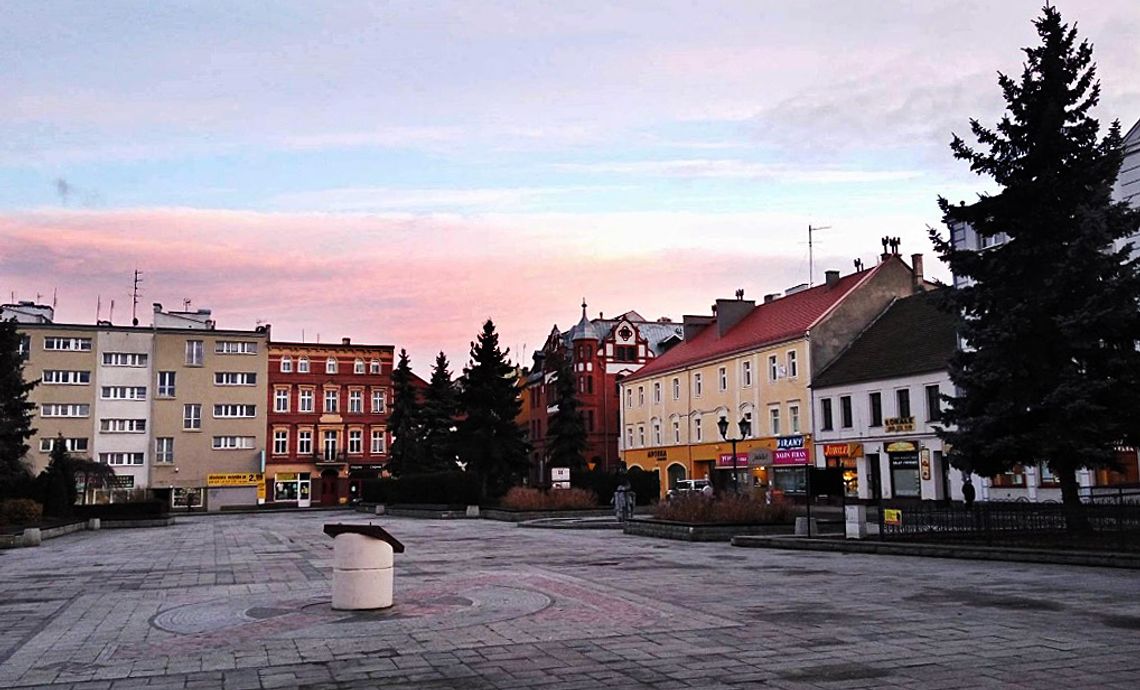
{"points": [[327, 421], [602, 352]]}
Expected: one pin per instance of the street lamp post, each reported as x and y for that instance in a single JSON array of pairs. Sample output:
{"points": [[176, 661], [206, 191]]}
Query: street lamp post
{"points": [[745, 427]]}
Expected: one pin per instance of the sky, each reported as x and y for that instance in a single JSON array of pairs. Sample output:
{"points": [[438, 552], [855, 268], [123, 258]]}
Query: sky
{"points": [[398, 172]]}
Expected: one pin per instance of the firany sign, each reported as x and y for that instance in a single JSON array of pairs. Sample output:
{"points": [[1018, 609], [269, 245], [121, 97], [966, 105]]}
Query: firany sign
{"points": [[790, 450]]}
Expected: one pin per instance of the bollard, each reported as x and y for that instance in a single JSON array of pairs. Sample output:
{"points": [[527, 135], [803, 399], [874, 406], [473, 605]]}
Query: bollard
{"points": [[802, 527], [32, 536], [856, 519], [94, 523], [472, 511], [363, 566], [379, 508]]}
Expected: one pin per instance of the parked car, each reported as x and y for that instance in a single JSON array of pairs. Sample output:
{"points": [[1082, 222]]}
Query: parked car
{"points": [[685, 486]]}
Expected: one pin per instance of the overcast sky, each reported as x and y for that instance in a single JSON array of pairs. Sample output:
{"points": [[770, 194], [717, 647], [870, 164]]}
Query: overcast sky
{"points": [[398, 172]]}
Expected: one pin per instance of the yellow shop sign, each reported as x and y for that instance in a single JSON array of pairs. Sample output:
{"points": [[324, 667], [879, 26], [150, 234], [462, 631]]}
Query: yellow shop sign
{"points": [[235, 479]]}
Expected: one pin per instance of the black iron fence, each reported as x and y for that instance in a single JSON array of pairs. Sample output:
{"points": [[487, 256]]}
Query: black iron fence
{"points": [[1107, 519]]}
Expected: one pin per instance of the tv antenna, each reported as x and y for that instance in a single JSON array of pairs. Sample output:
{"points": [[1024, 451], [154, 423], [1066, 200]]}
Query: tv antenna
{"points": [[811, 251], [135, 298]]}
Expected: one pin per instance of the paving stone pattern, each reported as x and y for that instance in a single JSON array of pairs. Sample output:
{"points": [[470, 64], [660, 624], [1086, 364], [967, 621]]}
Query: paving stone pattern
{"points": [[242, 601]]}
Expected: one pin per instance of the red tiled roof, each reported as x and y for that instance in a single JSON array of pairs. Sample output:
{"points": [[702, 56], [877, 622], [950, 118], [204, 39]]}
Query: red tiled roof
{"points": [[782, 319]]}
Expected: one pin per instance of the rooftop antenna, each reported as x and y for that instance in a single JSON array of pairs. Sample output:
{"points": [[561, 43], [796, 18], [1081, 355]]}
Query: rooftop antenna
{"points": [[811, 251], [135, 298], [98, 308], [111, 313], [186, 303], [54, 296]]}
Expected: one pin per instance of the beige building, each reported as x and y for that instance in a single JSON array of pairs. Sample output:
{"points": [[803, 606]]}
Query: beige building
{"points": [[750, 364]]}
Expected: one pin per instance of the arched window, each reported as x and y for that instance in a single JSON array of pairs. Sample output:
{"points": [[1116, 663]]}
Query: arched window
{"points": [[358, 366], [676, 473], [303, 365]]}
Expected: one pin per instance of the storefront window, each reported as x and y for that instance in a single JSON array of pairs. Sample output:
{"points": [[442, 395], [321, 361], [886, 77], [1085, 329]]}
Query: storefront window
{"points": [[904, 474], [790, 480], [849, 473]]}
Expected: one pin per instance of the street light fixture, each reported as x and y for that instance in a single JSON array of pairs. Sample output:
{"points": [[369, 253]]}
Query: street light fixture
{"points": [[745, 427]]}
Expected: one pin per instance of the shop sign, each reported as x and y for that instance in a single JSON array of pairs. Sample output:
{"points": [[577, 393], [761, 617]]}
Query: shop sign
{"points": [[235, 479], [285, 477], [659, 453], [924, 462], [902, 447], [758, 457], [560, 474], [794, 456], [898, 424], [842, 450], [123, 482], [789, 442], [725, 460], [892, 517]]}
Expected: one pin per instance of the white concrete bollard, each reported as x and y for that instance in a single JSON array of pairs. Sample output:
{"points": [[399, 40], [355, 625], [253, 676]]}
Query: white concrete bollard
{"points": [[32, 536], [94, 523], [472, 511], [856, 519], [362, 573], [802, 527], [380, 509]]}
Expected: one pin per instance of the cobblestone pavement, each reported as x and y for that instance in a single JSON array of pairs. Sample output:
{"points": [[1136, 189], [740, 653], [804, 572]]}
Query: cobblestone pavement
{"points": [[242, 602]]}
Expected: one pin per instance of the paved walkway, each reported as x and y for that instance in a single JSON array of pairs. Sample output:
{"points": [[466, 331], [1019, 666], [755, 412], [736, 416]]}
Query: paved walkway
{"points": [[242, 602]]}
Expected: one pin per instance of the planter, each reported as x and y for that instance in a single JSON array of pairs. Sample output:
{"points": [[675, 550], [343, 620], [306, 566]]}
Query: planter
{"points": [[700, 531], [512, 515], [428, 511]]}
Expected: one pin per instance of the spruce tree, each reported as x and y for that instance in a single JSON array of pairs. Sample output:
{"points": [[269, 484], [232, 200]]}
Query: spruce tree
{"points": [[15, 410], [405, 422], [491, 441], [439, 410], [567, 433], [1050, 318]]}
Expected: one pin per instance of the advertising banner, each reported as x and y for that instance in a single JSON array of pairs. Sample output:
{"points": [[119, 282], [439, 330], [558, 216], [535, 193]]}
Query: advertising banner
{"points": [[235, 479]]}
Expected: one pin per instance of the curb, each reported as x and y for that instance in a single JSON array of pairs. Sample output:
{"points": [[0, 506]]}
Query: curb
{"points": [[1097, 559]]}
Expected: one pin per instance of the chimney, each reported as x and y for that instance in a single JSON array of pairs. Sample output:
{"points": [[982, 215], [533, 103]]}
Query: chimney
{"points": [[771, 297], [729, 312], [157, 307], [346, 341], [916, 264], [832, 278], [692, 325]]}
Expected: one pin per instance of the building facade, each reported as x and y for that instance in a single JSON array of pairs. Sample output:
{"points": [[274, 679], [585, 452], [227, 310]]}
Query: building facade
{"points": [[751, 365], [602, 352], [327, 421]]}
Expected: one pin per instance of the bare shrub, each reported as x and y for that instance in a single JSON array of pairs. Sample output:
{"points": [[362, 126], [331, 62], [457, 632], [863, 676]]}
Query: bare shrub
{"points": [[524, 498], [730, 508], [21, 511]]}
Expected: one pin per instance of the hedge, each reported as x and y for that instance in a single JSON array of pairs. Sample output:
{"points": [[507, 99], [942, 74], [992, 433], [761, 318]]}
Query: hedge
{"points": [[440, 488], [122, 511]]}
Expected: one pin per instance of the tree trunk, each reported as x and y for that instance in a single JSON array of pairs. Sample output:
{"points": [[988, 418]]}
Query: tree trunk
{"points": [[1076, 519]]}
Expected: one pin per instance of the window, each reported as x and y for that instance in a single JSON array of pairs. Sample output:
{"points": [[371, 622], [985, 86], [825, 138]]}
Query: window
{"points": [[71, 445], [166, 384], [286, 364], [698, 433], [377, 401], [358, 366], [226, 410], [303, 365], [280, 399], [641, 435], [590, 421], [629, 397], [304, 442], [65, 410], [356, 436], [746, 373], [235, 378], [305, 400], [25, 346], [629, 437], [987, 241], [330, 445], [67, 344], [233, 442], [722, 379], [902, 395], [794, 418], [625, 353], [676, 388], [640, 396], [194, 353], [698, 387], [374, 367], [377, 441], [330, 399], [192, 416], [356, 401], [123, 393], [122, 426], [876, 401], [676, 431], [748, 425], [280, 442], [164, 449], [656, 433], [793, 365], [656, 391], [773, 368], [845, 416], [774, 418], [933, 403], [121, 458], [124, 359], [66, 378], [330, 365], [825, 414], [235, 347]]}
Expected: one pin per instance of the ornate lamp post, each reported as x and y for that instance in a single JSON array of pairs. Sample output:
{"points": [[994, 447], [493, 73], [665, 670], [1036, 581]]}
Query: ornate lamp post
{"points": [[745, 427]]}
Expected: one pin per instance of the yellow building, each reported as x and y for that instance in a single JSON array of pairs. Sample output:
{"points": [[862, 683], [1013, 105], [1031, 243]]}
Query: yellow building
{"points": [[750, 364]]}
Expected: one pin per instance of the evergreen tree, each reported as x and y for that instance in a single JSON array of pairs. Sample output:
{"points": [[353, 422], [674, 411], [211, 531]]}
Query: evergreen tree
{"points": [[441, 403], [567, 433], [405, 422], [492, 442], [1050, 317], [15, 410]]}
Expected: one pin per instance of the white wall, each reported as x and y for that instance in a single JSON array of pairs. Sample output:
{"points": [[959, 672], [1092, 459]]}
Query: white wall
{"points": [[119, 341]]}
